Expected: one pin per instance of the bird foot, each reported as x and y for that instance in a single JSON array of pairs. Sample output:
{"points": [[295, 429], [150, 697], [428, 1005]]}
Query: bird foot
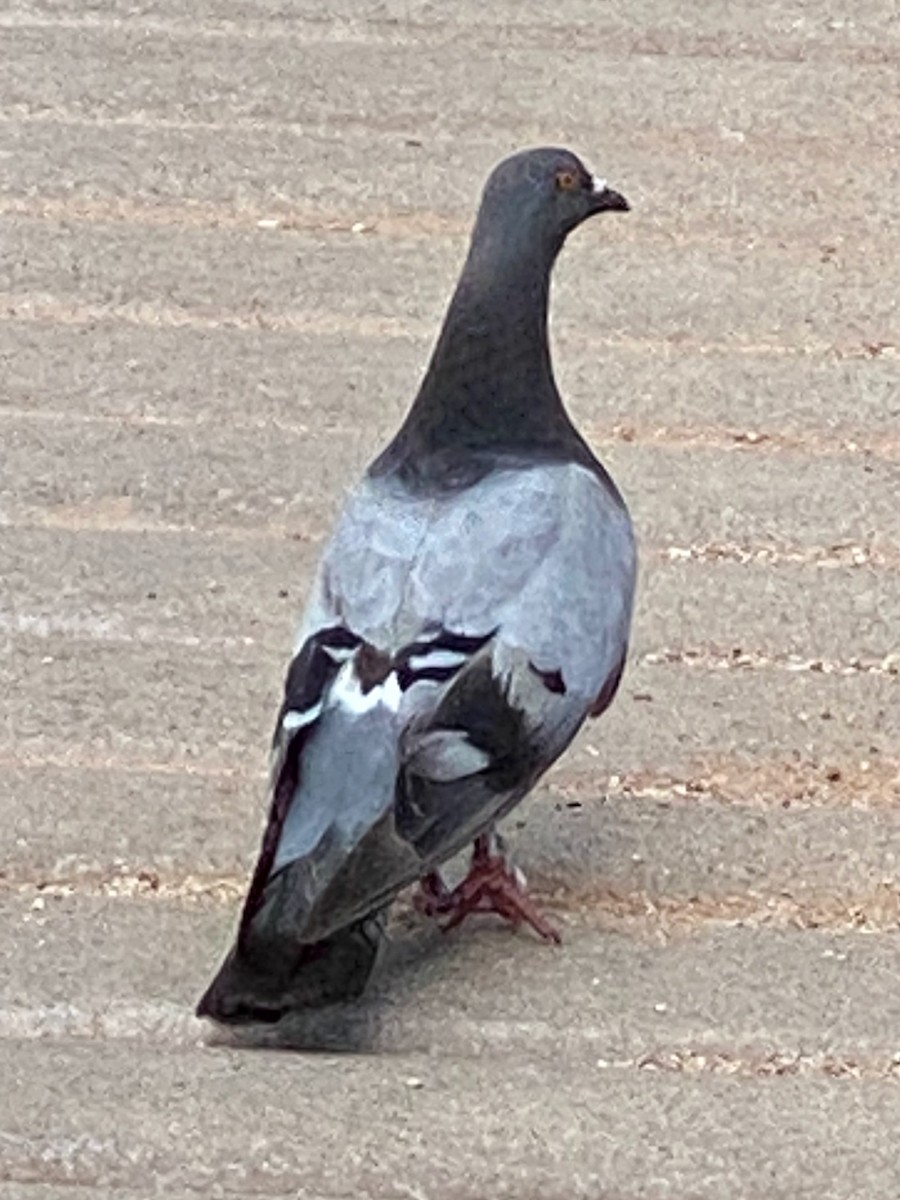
{"points": [[492, 885]]}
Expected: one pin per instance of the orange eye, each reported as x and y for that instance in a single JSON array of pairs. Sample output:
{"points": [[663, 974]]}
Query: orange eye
{"points": [[566, 180]]}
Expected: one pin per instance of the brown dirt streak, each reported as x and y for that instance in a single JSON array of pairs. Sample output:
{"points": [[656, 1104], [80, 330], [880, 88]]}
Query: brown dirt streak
{"points": [[716, 780], [73, 628], [711, 779], [206, 214], [810, 442], [771, 141], [80, 759], [745, 1063], [772, 554], [85, 519], [637, 911], [49, 309], [822, 442], [876, 911], [278, 216], [82, 519], [607, 40], [719, 658]]}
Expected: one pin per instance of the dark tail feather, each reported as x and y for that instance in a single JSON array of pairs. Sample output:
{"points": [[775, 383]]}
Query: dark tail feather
{"points": [[263, 981]]}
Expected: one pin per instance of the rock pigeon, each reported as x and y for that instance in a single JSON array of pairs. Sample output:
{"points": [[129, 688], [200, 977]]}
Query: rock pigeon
{"points": [[470, 611]]}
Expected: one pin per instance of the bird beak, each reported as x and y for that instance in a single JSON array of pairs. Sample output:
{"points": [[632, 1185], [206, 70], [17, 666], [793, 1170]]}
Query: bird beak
{"points": [[604, 199]]}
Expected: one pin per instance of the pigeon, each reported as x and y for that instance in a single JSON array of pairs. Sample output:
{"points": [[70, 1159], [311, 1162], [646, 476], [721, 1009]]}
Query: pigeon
{"points": [[470, 611]]}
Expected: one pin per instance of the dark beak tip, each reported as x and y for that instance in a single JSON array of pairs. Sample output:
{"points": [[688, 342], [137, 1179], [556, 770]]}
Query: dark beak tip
{"points": [[612, 201]]}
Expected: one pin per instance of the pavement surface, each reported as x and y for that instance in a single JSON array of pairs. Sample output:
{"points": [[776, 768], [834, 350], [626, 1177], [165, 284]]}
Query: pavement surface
{"points": [[227, 234]]}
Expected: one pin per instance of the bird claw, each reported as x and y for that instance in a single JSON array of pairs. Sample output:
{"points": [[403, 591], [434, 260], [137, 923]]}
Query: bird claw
{"points": [[492, 885], [432, 898]]}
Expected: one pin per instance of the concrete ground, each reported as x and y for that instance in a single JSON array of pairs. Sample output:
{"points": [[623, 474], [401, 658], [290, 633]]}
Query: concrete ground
{"points": [[227, 234]]}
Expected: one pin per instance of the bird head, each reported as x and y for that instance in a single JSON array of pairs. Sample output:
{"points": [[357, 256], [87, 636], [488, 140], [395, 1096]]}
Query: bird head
{"points": [[549, 190]]}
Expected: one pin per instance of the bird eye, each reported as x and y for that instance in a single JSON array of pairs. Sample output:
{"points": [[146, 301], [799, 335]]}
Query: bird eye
{"points": [[566, 181]]}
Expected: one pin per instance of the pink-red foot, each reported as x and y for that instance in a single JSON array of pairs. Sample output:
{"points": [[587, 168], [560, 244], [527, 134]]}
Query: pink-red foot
{"points": [[491, 886], [432, 898]]}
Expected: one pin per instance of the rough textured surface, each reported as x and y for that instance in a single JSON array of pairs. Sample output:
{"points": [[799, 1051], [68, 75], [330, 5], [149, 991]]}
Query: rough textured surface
{"points": [[228, 237]]}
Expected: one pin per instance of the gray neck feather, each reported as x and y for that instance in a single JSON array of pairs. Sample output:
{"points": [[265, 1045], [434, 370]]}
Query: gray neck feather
{"points": [[489, 388]]}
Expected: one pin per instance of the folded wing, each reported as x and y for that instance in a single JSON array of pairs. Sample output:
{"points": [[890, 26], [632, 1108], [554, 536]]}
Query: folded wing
{"points": [[452, 649]]}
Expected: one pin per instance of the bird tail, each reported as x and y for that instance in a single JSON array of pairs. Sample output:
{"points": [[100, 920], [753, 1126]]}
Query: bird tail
{"points": [[264, 978]]}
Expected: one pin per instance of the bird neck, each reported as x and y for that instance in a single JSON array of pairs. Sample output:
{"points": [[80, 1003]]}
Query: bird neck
{"points": [[489, 386], [490, 375]]}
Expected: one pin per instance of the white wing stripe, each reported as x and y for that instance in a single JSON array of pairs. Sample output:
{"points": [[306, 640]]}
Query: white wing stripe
{"points": [[437, 659], [339, 654], [347, 692], [294, 720]]}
